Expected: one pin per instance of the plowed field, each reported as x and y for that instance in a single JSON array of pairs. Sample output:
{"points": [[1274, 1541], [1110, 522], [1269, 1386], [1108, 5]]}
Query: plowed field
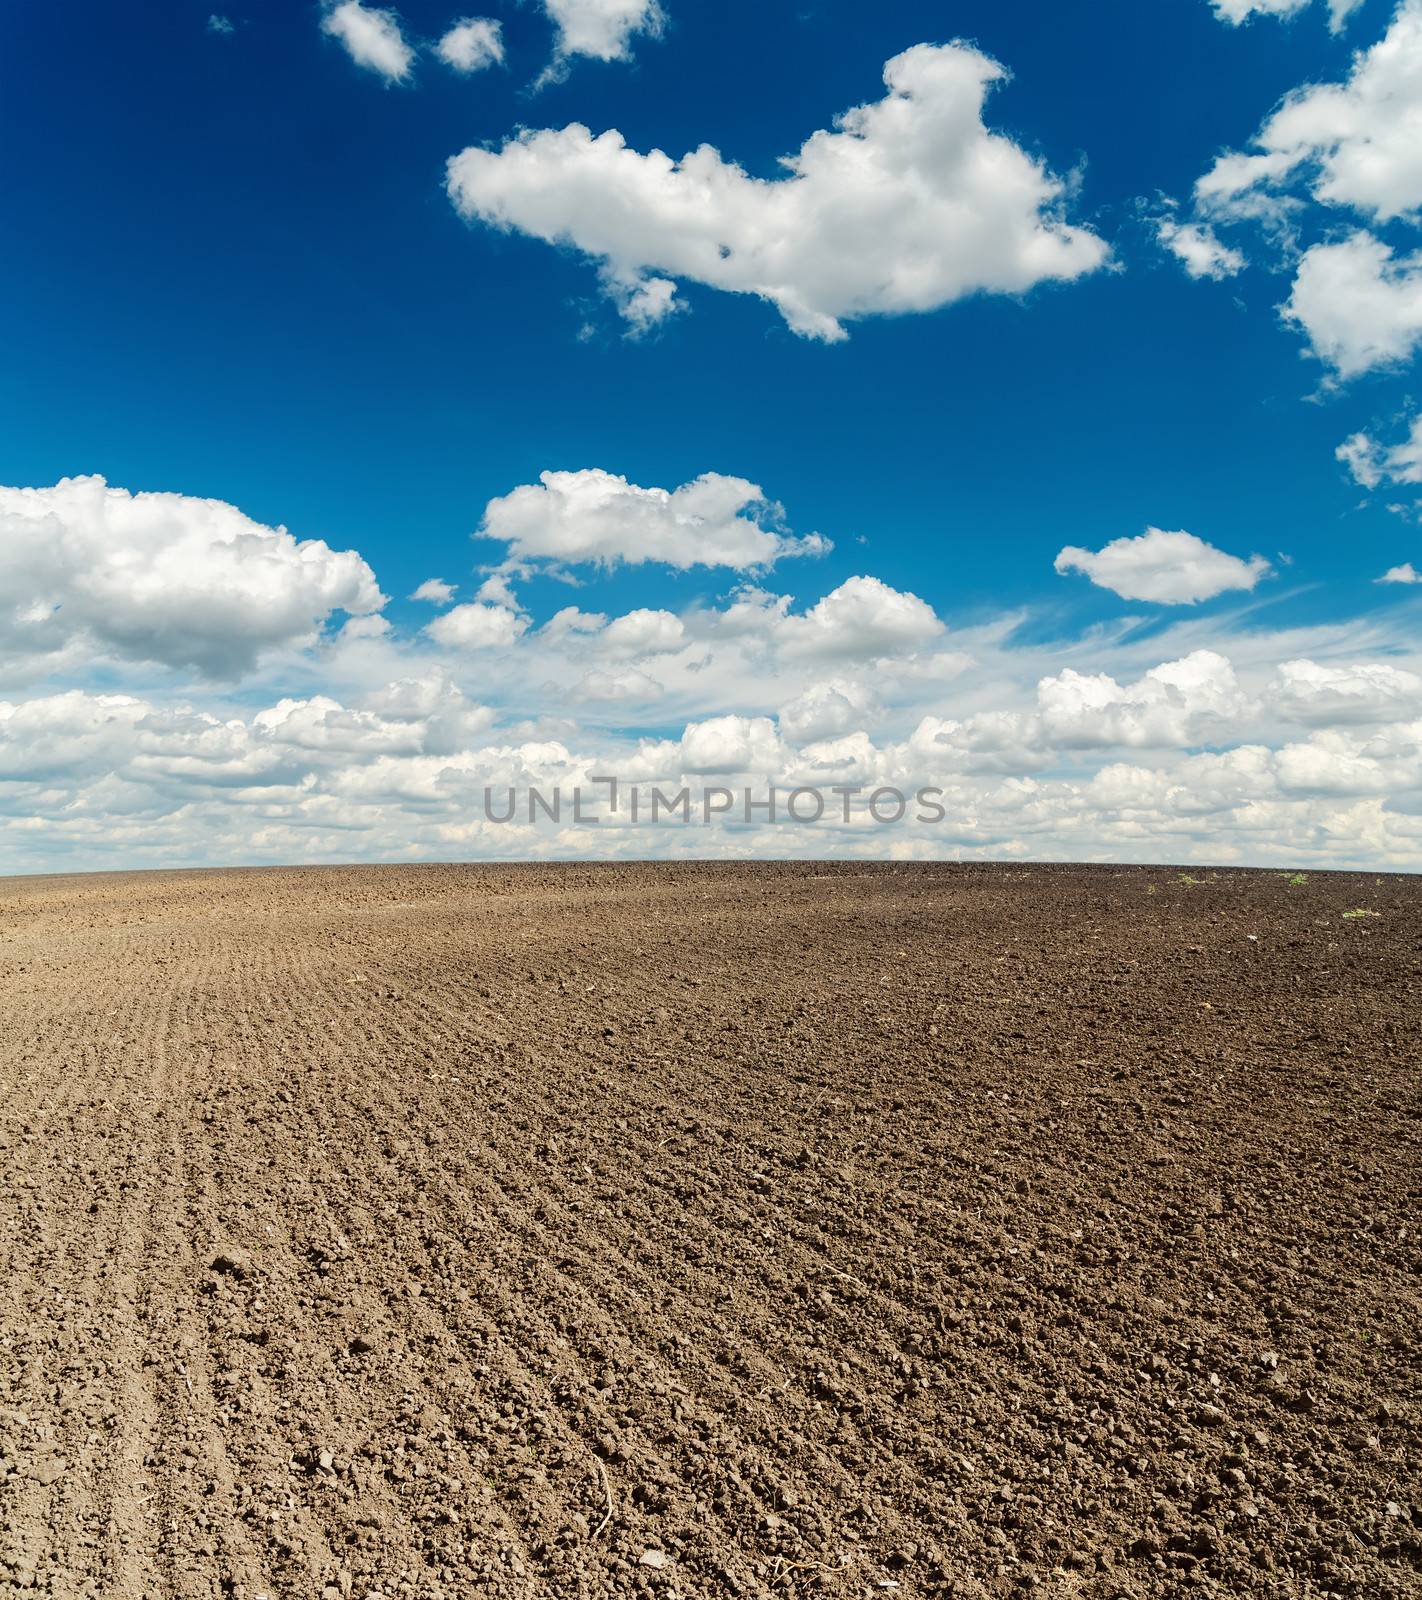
{"points": [[710, 1231]]}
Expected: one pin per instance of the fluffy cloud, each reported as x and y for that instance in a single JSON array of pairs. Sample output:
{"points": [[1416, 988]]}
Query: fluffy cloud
{"points": [[1359, 307], [595, 516], [435, 591], [571, 623], [1358, 143], [852, 758], [1172, 704], [864, 619], [69, 735], [642, 633], [1178, 704], [1175, 705], [425, 716], [472, 44], [322, 723], [75, 734], [497, 590], [447, 720], [826, 709], [1406, 573], [859, 620], [107, 779], [164, 578], [372, 38], [1198, 789], [645, 303], [1347, 764], [1372, 463], [478, 626], [1133, 746], [1360, 454], [601, 29], [624, 685], [731, 744], [1199, 249], [1237, 11], [762, 636], [1320, 694], [1166, 568], [909, 204]]}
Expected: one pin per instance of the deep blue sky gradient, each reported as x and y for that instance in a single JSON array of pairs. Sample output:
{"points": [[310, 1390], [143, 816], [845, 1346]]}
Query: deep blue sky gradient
{"points": [[229, 269]]}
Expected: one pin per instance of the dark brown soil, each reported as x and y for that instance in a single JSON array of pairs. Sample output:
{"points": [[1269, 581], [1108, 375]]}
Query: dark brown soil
{"points": [[710, 1231]]}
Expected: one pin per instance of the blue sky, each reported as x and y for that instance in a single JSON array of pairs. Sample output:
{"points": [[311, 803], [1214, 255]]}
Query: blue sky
{"points": [[232, 271]]}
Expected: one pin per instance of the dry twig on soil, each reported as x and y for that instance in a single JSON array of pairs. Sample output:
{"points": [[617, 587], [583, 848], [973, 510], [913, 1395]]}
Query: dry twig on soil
{"points": [[607, 1492]]}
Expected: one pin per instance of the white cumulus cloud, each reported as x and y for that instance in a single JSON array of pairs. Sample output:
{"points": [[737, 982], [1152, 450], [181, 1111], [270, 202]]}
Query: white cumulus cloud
{"points": [[435, 591], [372, 38], [1172, 704], [1330, 764], [1237, 11], [626, 684], [1356, 144], [478, 626], [1165, 568], [643, 632], [472, 44], [571, 623], [731, 744], [1175, 705], [1326, 694], [1360, 453], [827, 709], [1372, 463], [165, 578], [1360, 307], [596, 516], [909, 204], [1199, 249], [94, 779], [1406, 573], [601, 29], [863, 618]]}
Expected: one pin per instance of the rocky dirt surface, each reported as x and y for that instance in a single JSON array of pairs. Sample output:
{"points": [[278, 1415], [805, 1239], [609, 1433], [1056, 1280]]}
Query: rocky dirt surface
{"points": [[692, 1231]]}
